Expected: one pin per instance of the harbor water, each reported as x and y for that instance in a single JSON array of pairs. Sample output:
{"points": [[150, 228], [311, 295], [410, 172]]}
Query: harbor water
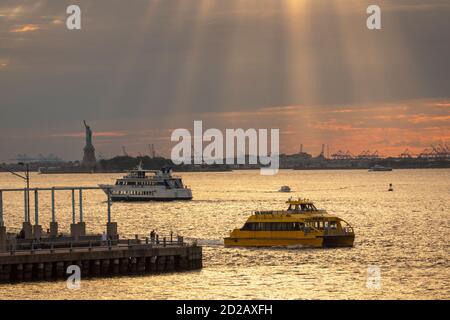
{"points": [[402, 235]]}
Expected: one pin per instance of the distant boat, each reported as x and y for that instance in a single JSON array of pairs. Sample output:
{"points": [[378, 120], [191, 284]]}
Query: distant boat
{"points": [[379, 168], [285, 189]]}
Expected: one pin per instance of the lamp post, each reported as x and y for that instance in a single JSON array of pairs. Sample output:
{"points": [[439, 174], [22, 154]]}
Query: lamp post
{"points": [[25, 177]]}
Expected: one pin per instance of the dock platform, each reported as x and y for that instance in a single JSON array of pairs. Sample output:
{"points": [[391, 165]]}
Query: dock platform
{"points": [[33, 255], [120, 259]]}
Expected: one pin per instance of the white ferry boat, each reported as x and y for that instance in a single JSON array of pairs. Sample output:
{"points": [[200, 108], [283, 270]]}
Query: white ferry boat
{"points": [[137, 186]]}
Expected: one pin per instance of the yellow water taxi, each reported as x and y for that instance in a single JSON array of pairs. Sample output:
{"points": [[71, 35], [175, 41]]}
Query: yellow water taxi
{"points": [[302, 224]]}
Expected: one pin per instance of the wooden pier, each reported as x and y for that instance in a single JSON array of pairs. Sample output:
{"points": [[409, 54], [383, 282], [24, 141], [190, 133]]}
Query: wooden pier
{"points": [[36, 256], [120, 259]]}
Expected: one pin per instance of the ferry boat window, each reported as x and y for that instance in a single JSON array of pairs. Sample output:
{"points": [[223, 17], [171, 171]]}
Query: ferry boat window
{"points": [[249, 227]]}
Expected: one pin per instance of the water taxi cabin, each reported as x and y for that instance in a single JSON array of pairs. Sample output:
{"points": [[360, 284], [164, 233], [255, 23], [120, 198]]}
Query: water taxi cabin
{"points": [[301, 224]]}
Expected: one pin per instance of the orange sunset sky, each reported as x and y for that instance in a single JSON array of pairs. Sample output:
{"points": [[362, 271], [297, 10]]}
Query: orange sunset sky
{"points": [[138, 70]]}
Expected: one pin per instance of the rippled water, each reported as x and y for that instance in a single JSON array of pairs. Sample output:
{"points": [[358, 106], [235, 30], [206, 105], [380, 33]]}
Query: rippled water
{"points": [[405, 233]]}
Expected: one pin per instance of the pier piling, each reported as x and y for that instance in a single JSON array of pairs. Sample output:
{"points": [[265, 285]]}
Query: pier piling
{"points": [[48, 270], [1, 209]]}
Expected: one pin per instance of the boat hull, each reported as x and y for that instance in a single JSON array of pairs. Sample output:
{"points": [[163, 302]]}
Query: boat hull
{"points": [[334, 241], [143, 199], [239, 242], [338, 241], [379, 169], [271, 239], [126, 194]]}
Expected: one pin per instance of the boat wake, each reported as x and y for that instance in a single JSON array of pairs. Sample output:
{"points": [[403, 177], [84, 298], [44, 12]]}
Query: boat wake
{"points": [[207, 242]]}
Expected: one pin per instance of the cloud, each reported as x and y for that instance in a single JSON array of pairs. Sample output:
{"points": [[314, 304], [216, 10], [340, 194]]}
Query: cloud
{"points": [[316, 72], [390, 127], [25, 28], [440, 104]]}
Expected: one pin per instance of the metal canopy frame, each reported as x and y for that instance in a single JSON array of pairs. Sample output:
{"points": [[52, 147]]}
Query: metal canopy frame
{"points": [[26, 191]]}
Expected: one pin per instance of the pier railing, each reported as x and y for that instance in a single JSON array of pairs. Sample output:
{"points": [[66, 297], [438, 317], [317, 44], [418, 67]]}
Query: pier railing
{"points": [[95, 243], [158, 241]]}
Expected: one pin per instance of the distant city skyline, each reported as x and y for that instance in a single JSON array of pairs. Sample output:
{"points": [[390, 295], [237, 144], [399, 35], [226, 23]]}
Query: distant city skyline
{"points": [[136, 72]]}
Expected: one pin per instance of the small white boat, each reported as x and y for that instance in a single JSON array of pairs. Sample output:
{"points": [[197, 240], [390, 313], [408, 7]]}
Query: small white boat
{"points": [[379, 168], [285, 189], [137, 186]]}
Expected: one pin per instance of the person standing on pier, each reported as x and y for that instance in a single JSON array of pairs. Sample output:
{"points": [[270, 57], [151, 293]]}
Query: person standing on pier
{"points": [[152, 236], [104, 238]]}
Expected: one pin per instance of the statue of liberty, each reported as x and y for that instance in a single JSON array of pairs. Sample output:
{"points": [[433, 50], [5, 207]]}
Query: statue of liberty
{"points": [[88, 134], [89, 160]]}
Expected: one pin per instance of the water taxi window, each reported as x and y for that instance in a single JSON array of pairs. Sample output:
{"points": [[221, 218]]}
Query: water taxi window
{"points": [[308, 207], [274, 226], [248, 226]]}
